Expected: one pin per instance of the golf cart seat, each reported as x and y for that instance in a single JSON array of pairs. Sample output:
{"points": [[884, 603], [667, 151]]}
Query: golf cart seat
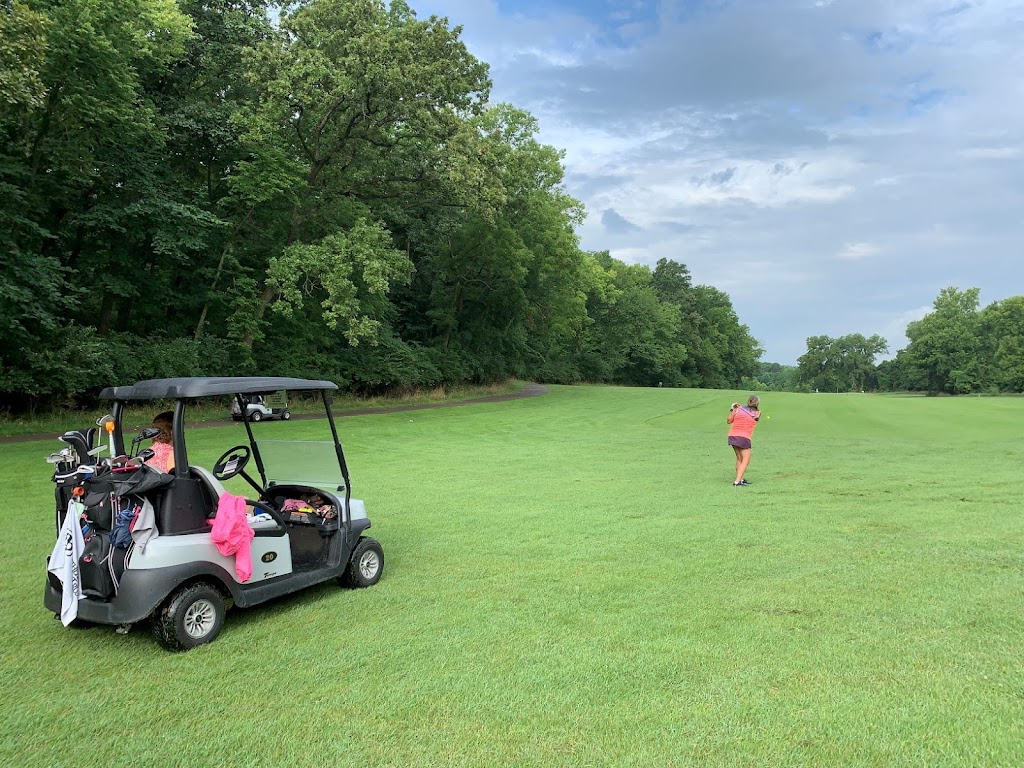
{"points": [[185, 506], [214, 489], [213, 486]]}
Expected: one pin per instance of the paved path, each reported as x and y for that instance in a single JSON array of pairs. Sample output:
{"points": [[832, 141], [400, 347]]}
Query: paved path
{"points": [[530, 390]]}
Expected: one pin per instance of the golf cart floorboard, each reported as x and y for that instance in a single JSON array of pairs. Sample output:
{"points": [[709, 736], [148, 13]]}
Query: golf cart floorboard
{"points": [[294, 582]]}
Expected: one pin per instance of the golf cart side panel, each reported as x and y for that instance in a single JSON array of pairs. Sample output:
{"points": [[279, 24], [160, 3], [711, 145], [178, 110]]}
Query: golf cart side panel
{"points": [[141, 592], [268, 590], [271, 555]]}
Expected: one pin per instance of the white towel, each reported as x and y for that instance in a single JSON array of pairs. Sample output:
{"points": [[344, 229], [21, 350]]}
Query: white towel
{"points": [[64, 561], [144, 526]]}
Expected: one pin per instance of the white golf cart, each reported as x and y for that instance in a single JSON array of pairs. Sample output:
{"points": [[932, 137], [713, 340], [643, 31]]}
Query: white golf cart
{"points": [[261, 407], [306, 527]]}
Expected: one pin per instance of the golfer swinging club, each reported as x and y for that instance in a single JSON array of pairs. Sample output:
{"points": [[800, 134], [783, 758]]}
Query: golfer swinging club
{"points": [[742, 421]]}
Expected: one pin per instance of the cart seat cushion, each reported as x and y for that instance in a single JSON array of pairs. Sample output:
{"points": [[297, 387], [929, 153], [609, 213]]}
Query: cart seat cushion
{"points": [[212, 484]]}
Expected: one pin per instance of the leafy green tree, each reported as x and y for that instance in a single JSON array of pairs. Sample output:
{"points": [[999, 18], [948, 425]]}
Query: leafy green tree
{"points": [[944, 344], [720, 352], [200, 101], [843, 364], [856, 360], [672, 282], [777, 377], [22, 53], [355, 268], [817, 366], [634, 336], [502, 285], [1002, 343], [67, 148], [358, 103], [727, 352]]}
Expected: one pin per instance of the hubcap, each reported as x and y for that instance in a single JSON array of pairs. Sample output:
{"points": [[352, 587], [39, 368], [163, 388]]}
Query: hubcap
{"points": [[369, 564], [200, 618]]}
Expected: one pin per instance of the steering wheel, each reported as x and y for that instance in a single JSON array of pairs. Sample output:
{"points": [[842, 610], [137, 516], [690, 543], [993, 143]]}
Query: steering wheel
{"points": [[232, 462]]}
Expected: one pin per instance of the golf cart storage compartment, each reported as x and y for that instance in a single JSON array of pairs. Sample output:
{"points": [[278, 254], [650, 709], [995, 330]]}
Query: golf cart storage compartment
{"points": [[183, 508]]}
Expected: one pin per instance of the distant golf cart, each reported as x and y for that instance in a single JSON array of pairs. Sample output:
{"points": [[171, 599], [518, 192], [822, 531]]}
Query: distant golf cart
{"points": [[306, 527], [261, 407]]}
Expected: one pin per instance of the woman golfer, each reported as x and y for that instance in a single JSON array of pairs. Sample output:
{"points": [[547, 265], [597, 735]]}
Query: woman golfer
{"points": [[742, 420]]}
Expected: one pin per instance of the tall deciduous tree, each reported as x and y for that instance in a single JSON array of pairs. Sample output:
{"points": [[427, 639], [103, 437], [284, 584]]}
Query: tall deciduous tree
{"points": [[358, 103], [1002, 343], [22, 53], [842, 364], [944, 344], [66, 150], [501, 284]]}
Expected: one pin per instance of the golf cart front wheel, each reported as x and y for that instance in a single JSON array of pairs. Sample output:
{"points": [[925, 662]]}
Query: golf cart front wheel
{"points": [[191, 616], [286, 415], [255, 416], [366, 564]]}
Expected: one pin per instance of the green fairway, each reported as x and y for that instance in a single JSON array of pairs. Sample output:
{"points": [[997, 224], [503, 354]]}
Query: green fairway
{"points": [[572, 580]]}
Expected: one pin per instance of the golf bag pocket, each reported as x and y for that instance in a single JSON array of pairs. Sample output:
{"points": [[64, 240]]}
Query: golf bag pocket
{"points": [[94, 566], [99, 502], [99, 510]]}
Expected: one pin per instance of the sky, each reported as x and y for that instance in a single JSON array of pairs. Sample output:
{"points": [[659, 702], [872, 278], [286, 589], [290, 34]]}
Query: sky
{"points": [[830, 164]]}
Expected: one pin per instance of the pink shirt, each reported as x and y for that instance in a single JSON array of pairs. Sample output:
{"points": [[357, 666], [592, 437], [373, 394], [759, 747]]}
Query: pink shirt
{"points": [[743, 422], [163, 457], [232, 534]]}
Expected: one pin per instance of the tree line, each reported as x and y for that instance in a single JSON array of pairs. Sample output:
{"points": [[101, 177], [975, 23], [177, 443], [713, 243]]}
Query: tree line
{"points": [[955, 349], [204, 187]]}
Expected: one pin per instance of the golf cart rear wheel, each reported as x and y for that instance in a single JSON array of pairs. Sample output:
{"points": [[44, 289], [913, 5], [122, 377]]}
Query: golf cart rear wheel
{"points": [[286, 415], [191, 616], [365, 566], [255, 416]]}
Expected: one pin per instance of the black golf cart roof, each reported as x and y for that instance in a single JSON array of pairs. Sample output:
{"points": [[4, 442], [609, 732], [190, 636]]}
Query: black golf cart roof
{"points": [[172, 389]]}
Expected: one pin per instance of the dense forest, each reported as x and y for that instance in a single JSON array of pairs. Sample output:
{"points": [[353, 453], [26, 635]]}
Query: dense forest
{"points": [[206, 187]]}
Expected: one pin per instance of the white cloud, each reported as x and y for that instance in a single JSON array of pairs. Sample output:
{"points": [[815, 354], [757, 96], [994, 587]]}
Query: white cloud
{"points": [[858, 251], [991, 153], [826, 163]]}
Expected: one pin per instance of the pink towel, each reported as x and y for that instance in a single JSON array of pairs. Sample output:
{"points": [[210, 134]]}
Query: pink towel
{"points": [[232, 534]]}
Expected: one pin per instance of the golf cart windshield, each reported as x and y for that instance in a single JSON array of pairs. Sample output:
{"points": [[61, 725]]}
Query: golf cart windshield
{"points": [[300, 462], [318, 464]]}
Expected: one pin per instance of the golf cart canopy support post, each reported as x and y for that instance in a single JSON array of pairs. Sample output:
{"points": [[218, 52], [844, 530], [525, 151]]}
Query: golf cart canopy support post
{"points": [[252, 440], [337, 443]]}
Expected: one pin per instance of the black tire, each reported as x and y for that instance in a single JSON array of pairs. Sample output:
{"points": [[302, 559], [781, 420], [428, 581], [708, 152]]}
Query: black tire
{"points": [[191, 616], [366, 565], [286, 415], [255, 416]]}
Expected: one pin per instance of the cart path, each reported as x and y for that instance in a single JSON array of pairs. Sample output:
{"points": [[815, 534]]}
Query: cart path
{"points": [[530, 390]]}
